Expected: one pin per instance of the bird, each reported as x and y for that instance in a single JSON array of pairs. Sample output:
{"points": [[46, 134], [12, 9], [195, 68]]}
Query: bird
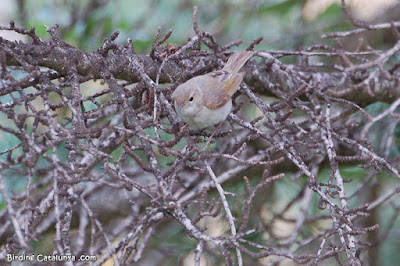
{"points": [[206, 100]]}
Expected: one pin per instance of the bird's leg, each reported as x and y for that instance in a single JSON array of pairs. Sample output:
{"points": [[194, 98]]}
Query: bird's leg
{"points": [[210, 138]]}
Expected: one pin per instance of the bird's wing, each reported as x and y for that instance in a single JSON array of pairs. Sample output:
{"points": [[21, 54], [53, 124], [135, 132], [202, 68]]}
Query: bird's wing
{"points": [[219, 86]]}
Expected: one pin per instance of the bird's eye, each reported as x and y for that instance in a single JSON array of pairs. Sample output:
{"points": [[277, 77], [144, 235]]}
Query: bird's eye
{"points": [[191, 98]]}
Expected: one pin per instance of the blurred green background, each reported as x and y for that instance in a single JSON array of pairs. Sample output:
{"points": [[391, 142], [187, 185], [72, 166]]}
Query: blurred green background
{"points": [[284, 24]]}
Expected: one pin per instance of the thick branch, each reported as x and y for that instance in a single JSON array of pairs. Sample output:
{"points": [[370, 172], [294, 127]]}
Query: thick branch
{"points": [[264, 77]]}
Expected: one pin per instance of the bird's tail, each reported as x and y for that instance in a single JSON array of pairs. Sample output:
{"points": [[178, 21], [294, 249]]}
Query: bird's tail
{"points": [[237, 60]]}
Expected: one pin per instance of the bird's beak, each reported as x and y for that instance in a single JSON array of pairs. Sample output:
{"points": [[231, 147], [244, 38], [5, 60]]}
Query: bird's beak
{"points": [[178, 107]]}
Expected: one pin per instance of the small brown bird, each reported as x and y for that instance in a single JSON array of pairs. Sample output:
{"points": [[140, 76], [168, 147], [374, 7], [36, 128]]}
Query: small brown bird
{"points": [[206, 100]]}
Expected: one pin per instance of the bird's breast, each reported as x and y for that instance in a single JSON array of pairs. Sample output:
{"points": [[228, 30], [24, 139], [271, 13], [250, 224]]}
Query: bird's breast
{"points": [[207, 117]]}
